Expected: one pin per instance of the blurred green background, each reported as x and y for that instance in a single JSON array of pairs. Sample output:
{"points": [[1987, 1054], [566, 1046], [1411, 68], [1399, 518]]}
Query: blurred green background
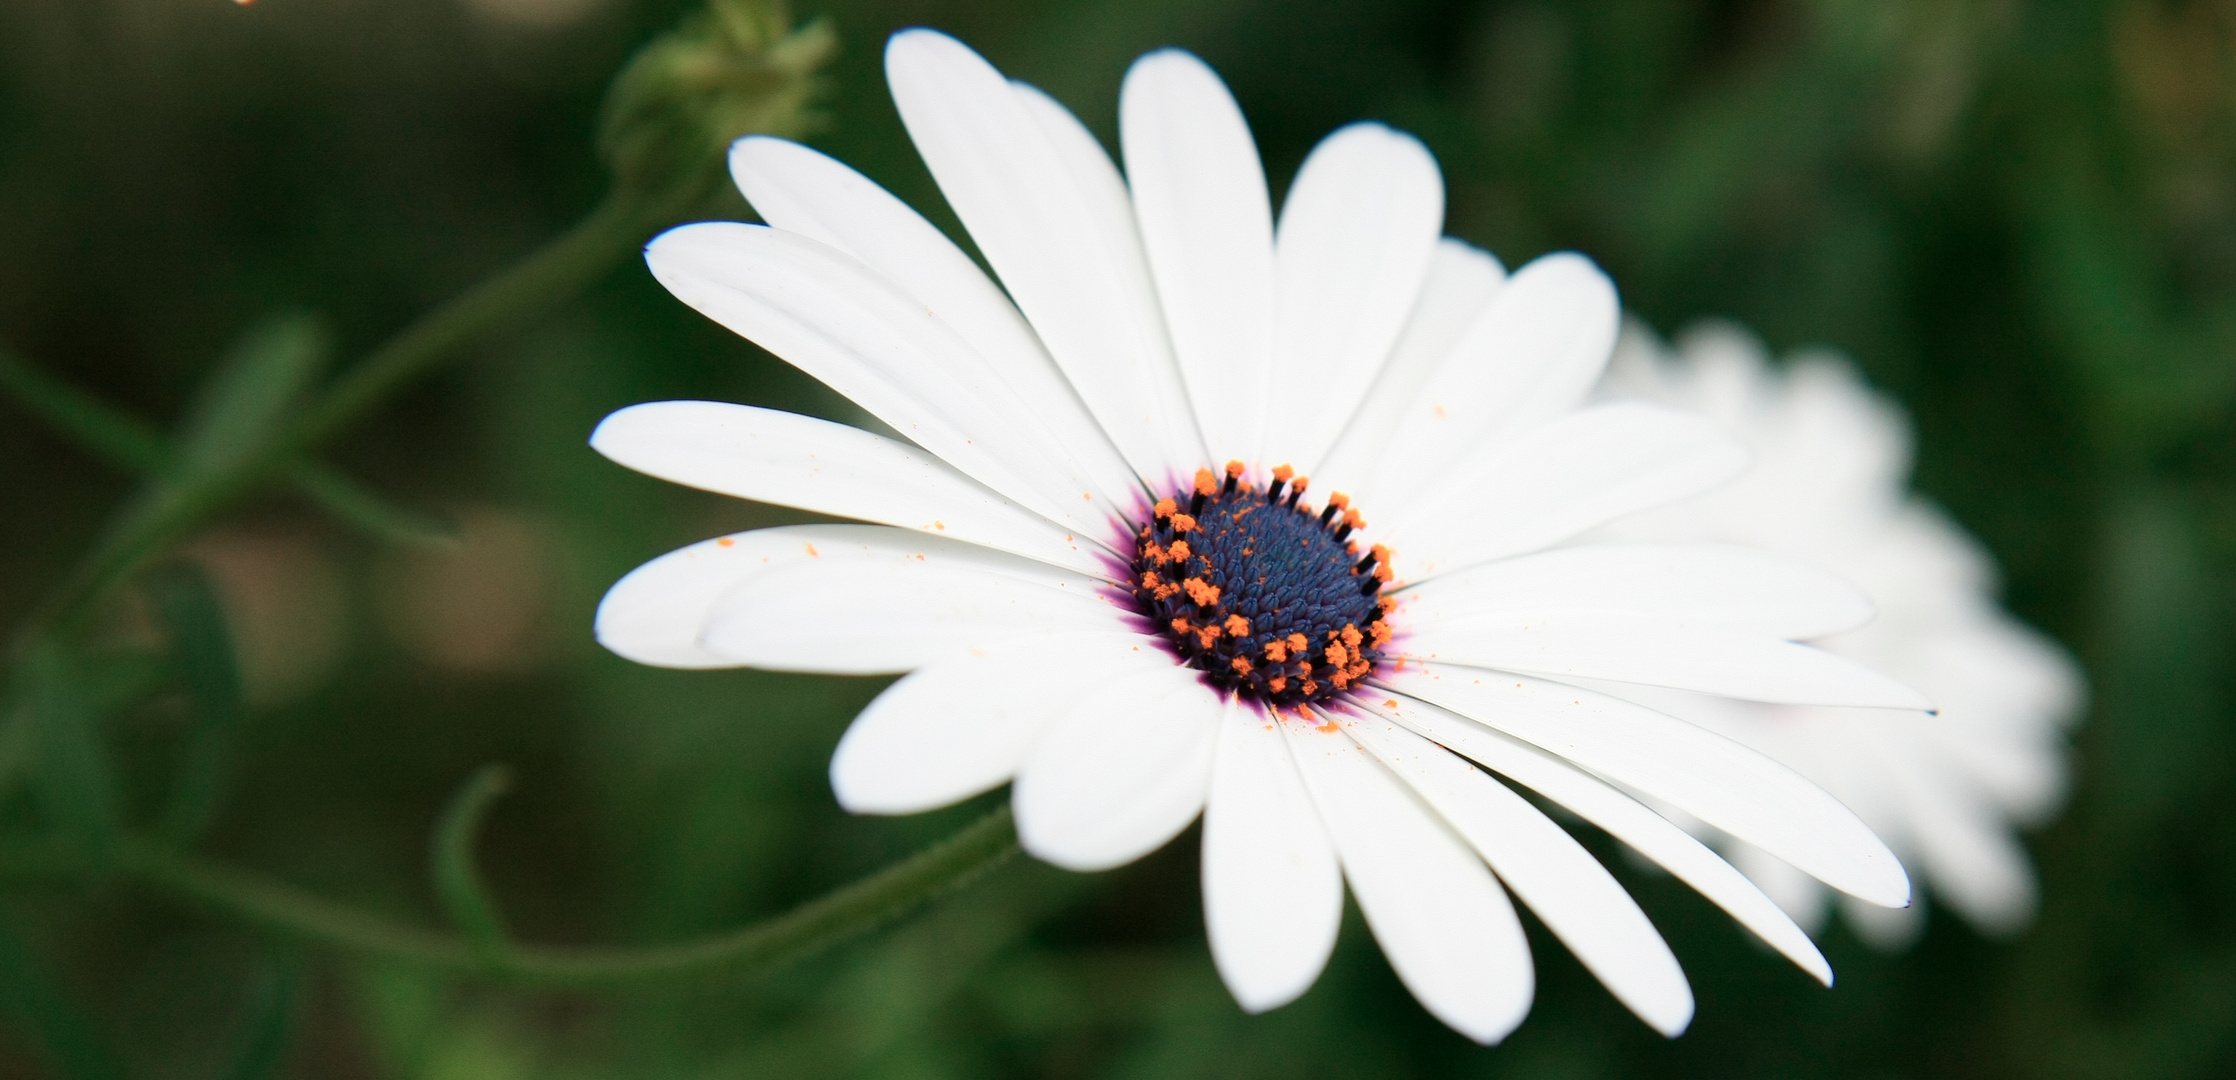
{"points": [[2020, 219]]}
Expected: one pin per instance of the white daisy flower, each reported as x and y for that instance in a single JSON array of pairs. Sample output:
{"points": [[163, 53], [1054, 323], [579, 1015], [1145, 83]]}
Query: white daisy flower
{"points": [[1104, 560], [1830, 485]]}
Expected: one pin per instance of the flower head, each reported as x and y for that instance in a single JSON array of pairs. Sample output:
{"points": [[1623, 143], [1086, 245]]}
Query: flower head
{"points": [[1208, 512], [1831, 485]]}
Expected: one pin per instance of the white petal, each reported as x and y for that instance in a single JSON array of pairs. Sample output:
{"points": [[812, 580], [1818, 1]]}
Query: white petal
{"points": [[1199, 195], [1440, 917], [1120, 772], [1682, 654], [825, 313], [864, 600], [1963, 845], [1624, 818], [1719, 781], [1797, 894], [1712, 585], [1530, 356], [1554, 482], [799, 190], [1272, 893], [1047, 208], [1461, 281], [1579, 900], [1357, 232], [799, 461], [963, 725]]}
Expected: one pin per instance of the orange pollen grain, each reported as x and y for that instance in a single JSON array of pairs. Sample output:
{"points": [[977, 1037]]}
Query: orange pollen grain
{"points": [[1277, 652], [1241, 664], [1150, 580], [1298, 644], [1339, 500], [1234, 469], [1380, 633], [1278, 683], [1352, 518], [1339, 656], [1283, 473], [1351, 635], [1208, 636], [1179, 626], [1183, 523], [1178, 552], [1206, 482], [1238, 626], [1201, 591], [1166, 508], [1382, 573]]}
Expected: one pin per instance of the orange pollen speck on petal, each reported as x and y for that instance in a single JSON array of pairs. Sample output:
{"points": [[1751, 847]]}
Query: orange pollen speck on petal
{"points": [[726, 542]]}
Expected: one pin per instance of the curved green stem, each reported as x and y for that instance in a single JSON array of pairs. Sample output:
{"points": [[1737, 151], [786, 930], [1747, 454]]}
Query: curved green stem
{"points": [[819, 923]]}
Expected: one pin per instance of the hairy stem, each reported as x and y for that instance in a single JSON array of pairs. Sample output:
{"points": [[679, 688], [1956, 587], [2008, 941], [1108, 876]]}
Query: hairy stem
{"points": [[818, 924]]}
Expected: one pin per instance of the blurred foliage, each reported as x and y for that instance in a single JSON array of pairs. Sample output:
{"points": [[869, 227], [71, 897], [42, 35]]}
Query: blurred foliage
{"points": [[2019, 218]]}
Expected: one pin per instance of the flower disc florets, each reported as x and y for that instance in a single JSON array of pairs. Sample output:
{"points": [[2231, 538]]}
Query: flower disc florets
{"points": [[1266, 596]]}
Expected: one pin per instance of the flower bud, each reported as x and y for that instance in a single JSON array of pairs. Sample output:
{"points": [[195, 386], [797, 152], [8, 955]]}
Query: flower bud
{"points": [[739, 67]]}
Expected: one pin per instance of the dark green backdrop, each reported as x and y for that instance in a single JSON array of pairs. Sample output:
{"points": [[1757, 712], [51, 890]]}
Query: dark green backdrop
{"points": [[2020, 219]]}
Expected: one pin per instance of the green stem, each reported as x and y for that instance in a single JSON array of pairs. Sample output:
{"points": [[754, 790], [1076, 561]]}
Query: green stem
{"points": [[165, 516], [820, 923]]}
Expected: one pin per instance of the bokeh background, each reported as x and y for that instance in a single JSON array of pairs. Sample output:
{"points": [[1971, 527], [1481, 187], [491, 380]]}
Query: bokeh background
{"points": [[2019, 219]]}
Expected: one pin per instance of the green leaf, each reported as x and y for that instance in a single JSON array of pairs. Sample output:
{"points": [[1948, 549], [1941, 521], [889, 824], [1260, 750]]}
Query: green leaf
{"points": [[130, 443], [31, 993], [246, 399], [187, 605], [354, 504], [75, 781], [88, 420], [458, 884], [268, 1036]]}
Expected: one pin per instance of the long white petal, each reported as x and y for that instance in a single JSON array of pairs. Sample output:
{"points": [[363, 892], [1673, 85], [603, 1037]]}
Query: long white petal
{"points": [[1709, 584], [1461, 281], [1199, 195], [1577, 898], [1357, 233], [1440, 917], [791, 460], [1272, 892], [865, 600], [964, 725], [1624, 818], [825, 313], [800, 190], [1049, 211], [1532, 354], [1719, 781], [1554, 482], [1697, 655], [1120, 772]]}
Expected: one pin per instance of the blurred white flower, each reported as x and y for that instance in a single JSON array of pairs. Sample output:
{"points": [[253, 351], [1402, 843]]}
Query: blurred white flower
{"points": [[1830, 485], [1097, 569]]}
